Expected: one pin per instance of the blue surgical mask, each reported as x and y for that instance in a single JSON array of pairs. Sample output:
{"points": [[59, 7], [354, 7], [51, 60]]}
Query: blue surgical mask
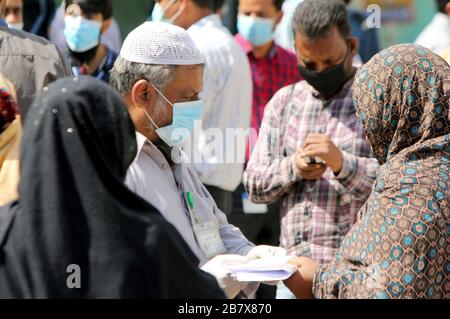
{"points": [[158, 13], [184, 116], [81, 34], [15, 26], [257, 31]]}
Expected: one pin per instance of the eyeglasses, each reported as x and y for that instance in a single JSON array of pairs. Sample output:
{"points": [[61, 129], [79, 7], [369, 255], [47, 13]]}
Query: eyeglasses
{"points": [[13, 10]]}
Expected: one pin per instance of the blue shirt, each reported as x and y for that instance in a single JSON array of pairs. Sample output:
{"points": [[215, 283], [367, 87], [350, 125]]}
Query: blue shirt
{"points": [[368, 37], [103, 72]]}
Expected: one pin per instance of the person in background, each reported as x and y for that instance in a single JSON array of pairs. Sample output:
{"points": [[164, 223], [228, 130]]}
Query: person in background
{"points": [[160, 75], [399, 247], [272, 68], [369, 44], [29, 62], [283, 35], [37, 16], [10, 137], [436, 36], [312, 151], [14, 14], [226, 95], [87, 235], [111, 38], [217, 6], [84, 23]]}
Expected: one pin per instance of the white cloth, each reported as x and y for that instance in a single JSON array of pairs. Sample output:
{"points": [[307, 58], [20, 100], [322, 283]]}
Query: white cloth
{"points": [[160, 43], [152, 177], [111, 37], [227, 96], [218, 268], [283, 35], [436, 36]]}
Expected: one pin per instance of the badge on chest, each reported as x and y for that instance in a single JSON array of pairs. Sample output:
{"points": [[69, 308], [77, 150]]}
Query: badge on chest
{"points": [[206, 232]]}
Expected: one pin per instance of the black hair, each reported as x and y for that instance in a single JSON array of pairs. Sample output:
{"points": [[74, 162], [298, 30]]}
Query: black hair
{"points": [[206, 4], [90, 7], [442, 4], [278, 4], [217, 4], [315, 18]]}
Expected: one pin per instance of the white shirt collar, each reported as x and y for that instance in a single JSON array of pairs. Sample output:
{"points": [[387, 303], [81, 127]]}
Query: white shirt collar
{"points": [[211, 20], [178, 155], [140, 139], [442, 19]]}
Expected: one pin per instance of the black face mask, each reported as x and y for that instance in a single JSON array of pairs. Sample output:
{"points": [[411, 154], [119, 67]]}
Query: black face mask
{"points": [[327, 82], [80, 58]]}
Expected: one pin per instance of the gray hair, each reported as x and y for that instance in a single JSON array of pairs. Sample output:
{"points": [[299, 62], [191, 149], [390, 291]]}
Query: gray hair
{"points": [[125, 74], [315, 18]]}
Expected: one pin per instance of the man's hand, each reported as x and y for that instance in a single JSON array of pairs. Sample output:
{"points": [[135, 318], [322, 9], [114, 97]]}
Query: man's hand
{"points": [[320, 145], [217, 268], [301, 282], [308, 171]]}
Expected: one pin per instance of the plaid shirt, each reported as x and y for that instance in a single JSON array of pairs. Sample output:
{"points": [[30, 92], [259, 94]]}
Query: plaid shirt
{"points": [[269, 74], [315, 215]]}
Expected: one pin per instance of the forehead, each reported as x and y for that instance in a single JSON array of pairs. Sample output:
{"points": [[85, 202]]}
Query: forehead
{"points": [[75, 9], [319, 49], [257, 5], [188, 79], [14, 3]]}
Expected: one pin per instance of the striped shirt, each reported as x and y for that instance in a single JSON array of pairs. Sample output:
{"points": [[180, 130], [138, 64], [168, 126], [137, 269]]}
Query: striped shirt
{"points": [[227, 97], [315, 215]]}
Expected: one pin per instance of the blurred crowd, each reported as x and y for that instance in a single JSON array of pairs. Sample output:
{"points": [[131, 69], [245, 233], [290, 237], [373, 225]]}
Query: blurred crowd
{"points": [[153, 164]]}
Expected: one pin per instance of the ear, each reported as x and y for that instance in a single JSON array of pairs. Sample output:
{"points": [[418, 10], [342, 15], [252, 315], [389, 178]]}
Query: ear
{"points": [[279, 17], [106, 24], [354, 45], [142, 94], [447, 9]]}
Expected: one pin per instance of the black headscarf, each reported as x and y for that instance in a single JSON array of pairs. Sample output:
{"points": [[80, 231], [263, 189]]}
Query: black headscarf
{"points": [[74, 209]]}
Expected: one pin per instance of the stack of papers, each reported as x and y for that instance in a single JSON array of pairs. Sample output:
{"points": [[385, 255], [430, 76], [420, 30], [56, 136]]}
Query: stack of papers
{"points": [[263, 270]]}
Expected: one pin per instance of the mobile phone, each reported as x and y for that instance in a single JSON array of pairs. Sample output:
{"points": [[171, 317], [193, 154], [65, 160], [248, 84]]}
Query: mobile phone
{"points": [[313, 160]]}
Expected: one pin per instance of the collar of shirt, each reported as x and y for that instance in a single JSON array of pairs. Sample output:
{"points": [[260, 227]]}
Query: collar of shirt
{"points": [[3, 23], [247, 46], [212, 20], [143, 144], [441, 21]]}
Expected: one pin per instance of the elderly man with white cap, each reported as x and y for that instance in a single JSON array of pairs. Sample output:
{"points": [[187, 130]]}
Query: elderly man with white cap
{"points": [[160, 75]]}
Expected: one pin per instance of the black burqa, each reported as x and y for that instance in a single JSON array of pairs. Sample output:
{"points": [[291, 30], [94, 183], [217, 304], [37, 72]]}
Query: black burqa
{"points": [[74, 209]]}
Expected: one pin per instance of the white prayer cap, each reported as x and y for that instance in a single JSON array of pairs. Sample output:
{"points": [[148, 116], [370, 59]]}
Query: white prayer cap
{"points": [[160, 43]]}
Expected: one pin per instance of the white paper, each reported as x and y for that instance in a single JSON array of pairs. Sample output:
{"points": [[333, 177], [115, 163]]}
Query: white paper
{"points": [[263, 270]]}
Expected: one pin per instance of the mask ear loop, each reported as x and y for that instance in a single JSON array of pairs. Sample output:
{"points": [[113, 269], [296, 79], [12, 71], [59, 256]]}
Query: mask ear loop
{"points": [[162, 95], [178, 14]]}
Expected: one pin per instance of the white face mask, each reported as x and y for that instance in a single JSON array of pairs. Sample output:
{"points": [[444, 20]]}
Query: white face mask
{"points": [[184, 116], [16, 26]]}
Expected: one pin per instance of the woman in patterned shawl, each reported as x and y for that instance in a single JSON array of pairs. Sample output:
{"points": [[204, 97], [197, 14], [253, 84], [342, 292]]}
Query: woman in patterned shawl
{"points": [[10, 136], [400, 246]]}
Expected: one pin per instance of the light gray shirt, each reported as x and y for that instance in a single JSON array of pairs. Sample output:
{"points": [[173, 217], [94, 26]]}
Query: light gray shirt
{"points": [[227, 99], [165, 186], [30, 63]]}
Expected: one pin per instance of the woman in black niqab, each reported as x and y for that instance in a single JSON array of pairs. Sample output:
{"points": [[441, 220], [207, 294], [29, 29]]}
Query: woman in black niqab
{"points": [[75, 212]]}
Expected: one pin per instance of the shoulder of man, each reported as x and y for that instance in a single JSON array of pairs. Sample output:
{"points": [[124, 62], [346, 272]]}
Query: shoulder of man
{"points": [[281, 100], [19, 42]]}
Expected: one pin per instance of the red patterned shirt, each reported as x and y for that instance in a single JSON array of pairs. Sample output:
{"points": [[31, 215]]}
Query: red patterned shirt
{"points": [[269, 74]]}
